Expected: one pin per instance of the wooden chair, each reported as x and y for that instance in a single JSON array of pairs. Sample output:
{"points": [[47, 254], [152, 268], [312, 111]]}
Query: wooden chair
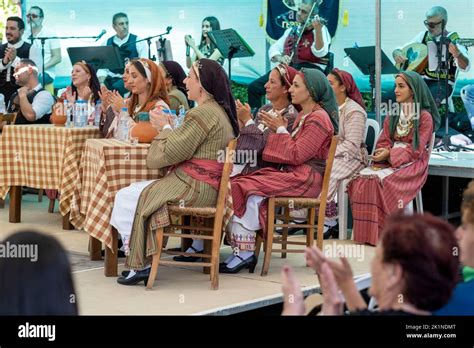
{"points": [[6, 120], [297, 203], [212, 241]]}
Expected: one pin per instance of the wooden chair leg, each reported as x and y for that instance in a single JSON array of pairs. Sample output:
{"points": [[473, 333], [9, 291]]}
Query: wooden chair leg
{"points": [[258, 244], [15, 204], [284, 235], [207, 246], [310, 230], [156, 259], [320, 230], [51, 205], [215, 256], [111, 257], [269, 242], [40, 195], [95, 249]]}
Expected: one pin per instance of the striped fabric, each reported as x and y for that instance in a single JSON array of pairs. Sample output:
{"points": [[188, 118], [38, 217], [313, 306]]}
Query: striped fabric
{"points": [[204, 134], [107, 165], [42, 156], [372, 198], [296, 179]]}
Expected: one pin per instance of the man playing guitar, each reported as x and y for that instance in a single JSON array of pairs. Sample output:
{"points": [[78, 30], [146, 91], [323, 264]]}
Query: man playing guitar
{"points": [[436, 19], [308, 52]]}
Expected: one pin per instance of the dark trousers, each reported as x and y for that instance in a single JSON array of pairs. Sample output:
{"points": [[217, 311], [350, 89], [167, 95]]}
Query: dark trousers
{"points": [[256, 89], [116, 84]]}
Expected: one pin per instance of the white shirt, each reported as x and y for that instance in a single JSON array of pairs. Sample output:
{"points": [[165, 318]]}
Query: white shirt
{"points": [[49, 45], [142, 49], [278, 47], [42, 103], [13, 64]]}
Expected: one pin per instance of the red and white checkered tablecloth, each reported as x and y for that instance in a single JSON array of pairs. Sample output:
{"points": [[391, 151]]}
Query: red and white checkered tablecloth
{"points": [[107, 165], [44, 157]]}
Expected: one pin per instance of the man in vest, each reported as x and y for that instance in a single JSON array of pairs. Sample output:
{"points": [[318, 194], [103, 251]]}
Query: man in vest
{"points": [[311, 52], [128, 49], [31, 102], [10, 54], [436, 20]]}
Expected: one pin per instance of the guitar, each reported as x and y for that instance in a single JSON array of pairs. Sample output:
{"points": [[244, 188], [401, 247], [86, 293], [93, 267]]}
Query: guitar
{"points": [[417, 55]]}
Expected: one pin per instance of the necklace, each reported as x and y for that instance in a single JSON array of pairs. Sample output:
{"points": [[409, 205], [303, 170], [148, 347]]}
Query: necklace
{"points": [[405, 124]]}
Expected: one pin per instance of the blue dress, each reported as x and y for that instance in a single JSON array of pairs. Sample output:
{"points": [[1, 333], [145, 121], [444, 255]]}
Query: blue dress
{"points": [[461, 302]]}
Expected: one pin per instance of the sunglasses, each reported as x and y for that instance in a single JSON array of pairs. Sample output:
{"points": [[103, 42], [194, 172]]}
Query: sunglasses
{"points": [[431, 24], [32, 15]]}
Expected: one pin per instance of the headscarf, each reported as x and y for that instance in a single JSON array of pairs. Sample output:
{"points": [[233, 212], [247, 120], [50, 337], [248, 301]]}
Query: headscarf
{"points": [[215, 82], [351, 88], [94, 83], [176, 73], [287, 73], [423, 100], [158, 91], [322, 93]]}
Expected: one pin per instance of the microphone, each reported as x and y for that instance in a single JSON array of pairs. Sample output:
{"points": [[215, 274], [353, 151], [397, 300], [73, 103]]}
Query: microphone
{"points": [[168, 29], [102, 33], [188, 50]]}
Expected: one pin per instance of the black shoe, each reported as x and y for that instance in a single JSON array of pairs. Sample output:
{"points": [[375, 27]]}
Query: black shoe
{"points": [[125, 273], [249, 263], [137, 278], [182, 258], [332, 232]]}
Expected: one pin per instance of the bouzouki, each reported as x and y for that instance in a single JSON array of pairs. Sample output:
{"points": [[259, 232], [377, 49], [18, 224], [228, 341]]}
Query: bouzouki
{"points": [[417, 55]]}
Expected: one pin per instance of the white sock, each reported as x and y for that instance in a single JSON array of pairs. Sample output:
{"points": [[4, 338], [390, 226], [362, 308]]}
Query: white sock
{"points": [[131, 274], [198, 244], [243, 254], [330, 222]]}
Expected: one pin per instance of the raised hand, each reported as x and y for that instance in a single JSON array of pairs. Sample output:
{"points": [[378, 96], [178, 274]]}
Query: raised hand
{"points": [[244, 113], [271, 122], [293, 302], [333, 302]]}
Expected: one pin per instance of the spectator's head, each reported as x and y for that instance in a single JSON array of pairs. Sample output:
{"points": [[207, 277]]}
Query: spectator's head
{"points": [[35, 17], [436, 18], [83, 75], [14, 29], [209, 24], [36, 279], [120, 24], [26, 72], [279, 83], [344, 86], [174, 75], [147, 83], [416, 263], [126, 76], [465, 232]]}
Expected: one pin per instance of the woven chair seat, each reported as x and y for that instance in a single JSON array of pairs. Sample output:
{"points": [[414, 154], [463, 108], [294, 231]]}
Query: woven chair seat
{"points": [[193, 211], [297, 202]]}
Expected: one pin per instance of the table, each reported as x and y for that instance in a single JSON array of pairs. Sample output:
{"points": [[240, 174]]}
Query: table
{"points": [[107, 165], [451, 164], [43, 157]]}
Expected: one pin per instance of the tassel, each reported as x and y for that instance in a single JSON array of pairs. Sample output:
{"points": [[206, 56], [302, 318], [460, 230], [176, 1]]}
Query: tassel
{"points": [[260, 20], [345, 18]]}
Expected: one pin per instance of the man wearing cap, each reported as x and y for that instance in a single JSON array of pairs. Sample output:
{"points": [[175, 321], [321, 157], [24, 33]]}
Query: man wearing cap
{"points": [[32, 103]]}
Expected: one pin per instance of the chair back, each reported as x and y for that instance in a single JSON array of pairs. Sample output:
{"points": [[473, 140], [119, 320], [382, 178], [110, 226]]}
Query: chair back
{"points": [[371, 123], [224, 184], [326, 178], [9, 119]]}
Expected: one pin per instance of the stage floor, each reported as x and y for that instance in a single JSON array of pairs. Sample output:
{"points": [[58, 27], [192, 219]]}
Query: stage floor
{"points": [[177, 290]]}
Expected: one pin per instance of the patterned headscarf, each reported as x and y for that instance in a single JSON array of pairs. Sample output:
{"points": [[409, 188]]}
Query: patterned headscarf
{"points": [[322, 93], [215, 82], [351, 88], [288, 73], [176, 73], [423, 100]]}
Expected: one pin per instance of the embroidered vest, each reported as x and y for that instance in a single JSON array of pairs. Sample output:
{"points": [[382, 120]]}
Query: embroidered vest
{"points": [[452, 68], [20, 119], [21, 52], [303, 51], [127, 50]]}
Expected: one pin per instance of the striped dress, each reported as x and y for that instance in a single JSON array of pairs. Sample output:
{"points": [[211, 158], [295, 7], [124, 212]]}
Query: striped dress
{"points": [[204, 134], [386, 187]]}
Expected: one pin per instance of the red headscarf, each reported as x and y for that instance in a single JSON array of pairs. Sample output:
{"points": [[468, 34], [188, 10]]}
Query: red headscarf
{"points": [[351, 88], [288, 74]]}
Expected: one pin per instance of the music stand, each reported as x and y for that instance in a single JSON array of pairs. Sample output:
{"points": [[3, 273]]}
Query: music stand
{"points": [[100, 57], [231, 45], [364, 59]]}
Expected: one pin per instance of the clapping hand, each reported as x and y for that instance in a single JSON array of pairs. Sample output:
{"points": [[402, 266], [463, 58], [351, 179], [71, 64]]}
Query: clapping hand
{"points": [[271, 122], [244, 113], [71, 95], [159, 119], [293, 303]]}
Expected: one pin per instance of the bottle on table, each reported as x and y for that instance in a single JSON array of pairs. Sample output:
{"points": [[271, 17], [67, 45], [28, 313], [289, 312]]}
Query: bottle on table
{"points": [[181, 115], [97, 113], [80, 114], [2, 104], [123, 129]]}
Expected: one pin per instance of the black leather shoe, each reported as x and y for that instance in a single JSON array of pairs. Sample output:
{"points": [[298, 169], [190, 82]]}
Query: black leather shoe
{"points": [[332, 232], [249, 263], [182, 258], [125, 273], [137, 278]]}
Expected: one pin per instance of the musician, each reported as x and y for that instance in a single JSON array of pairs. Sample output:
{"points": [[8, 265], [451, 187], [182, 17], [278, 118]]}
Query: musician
{"points": [[10, 54], [128, 48], [32, 102], [436, 19], [52, 48], [310, 53]]}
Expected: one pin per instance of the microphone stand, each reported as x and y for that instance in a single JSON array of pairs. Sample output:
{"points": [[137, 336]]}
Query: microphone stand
{"points": [[162, 43], [43, 40]]}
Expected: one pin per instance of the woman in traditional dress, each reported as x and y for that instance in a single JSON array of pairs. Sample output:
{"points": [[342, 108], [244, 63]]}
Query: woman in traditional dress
{"points": [[303, 154], [351, 153], [193, 150], [206, 48], [174, 77], [253, 133], [401, 159]]}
